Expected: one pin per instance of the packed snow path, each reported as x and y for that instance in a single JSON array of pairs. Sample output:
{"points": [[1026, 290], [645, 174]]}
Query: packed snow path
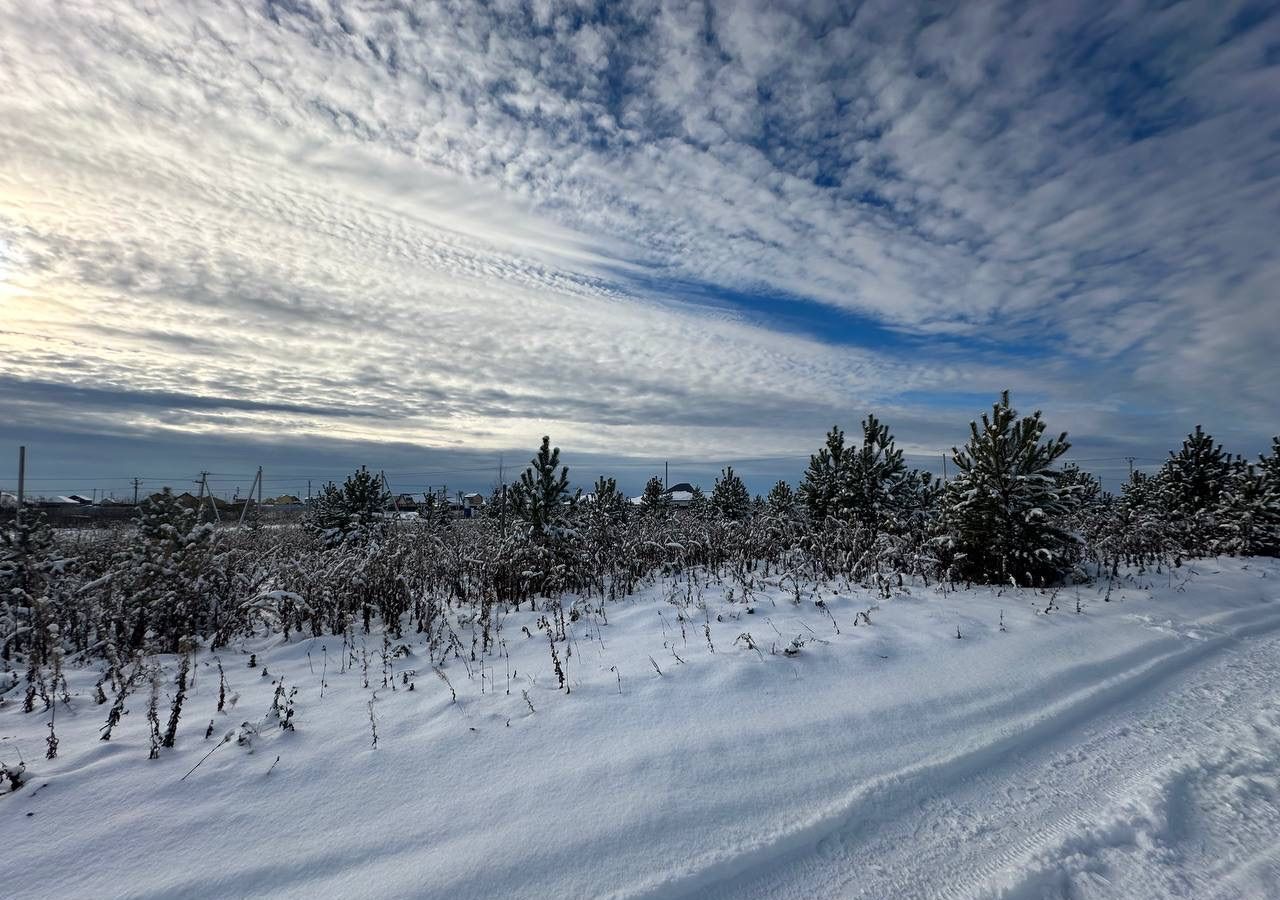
{"points": [[1130, 750], [1164, 783]]}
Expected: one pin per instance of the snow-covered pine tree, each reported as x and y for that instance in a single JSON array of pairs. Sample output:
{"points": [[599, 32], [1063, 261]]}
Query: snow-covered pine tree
{"points": [[541, 497], [602, 520], [158, 578], [1192, 482], [1269, 470], [1002, 517], [1136, 531], [1090, 504], [1269, 465], [435, 511], [352, 513], [326, 514], [654, 498], [543, 507], [821, 483], [608, 500], [781, 499], [1248, 514], [365, 498], [698, 499], [730, 496], [29, 562], [781, 522], [875, 490]]}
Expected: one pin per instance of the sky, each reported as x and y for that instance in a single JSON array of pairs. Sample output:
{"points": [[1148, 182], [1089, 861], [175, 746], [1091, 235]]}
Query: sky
{"points": [[311, 235]]}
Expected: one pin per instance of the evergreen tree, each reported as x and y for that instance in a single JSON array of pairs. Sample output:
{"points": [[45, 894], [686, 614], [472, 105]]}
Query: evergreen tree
{"points": [[1269, 471], [654, 499], [874, 488], [1192, 482], [1248, 514], [608, 499], [1269, 467], [541, 497], [781, 498], [352, 513], [1136, 532], [326, 514], [604, 518], [730, 496], [435, 511], [821, 484], [1003, 514], [29, 564], [546, 547], [1083, 492], [159, 576]]}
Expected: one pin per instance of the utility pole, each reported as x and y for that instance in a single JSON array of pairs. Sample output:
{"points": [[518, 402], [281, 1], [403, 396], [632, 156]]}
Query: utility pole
{"points": [[308, 490], [666, 472], [22, 484], [136, 481], [395, 504], [944, 466], [204, 488], [257, 482]]}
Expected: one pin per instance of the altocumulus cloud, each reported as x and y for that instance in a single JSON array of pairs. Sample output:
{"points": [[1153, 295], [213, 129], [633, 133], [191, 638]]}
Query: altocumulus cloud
{"points": [[463, 225]]}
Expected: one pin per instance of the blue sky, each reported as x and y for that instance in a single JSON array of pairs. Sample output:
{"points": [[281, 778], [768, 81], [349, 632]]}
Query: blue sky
{"points": [[421, 236]]}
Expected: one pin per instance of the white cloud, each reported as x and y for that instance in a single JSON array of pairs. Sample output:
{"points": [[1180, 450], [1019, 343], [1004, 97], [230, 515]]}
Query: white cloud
{"points": [[447, 216]]}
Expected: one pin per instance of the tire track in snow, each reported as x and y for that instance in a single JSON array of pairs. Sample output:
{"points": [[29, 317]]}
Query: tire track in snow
{"points": [[846, 854], [1198, 827]]}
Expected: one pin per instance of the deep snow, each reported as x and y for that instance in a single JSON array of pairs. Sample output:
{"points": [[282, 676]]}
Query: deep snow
{"points": [[1130, 750]]}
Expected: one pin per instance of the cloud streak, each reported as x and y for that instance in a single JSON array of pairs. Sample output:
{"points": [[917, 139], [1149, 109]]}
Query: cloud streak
{"points": [[467, 224]]}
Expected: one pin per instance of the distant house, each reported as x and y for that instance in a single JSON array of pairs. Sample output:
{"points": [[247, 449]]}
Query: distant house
{"points": [[472, 503], [678, 495]]}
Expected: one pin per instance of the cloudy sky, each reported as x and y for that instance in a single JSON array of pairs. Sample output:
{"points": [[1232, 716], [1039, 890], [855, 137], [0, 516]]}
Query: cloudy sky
{"points": [[315, 233]]}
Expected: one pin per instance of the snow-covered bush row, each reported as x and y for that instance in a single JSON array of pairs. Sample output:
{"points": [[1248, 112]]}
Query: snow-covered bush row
{"points": [[1010, 515]]}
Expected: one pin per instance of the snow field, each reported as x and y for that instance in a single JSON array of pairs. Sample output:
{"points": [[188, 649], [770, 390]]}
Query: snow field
{"points": [[889, 759]]}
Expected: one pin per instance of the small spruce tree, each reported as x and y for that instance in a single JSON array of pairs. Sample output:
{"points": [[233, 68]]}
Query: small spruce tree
{"points": [[730, 496], [654, 499], [781, 499], [821, 484], [1003, 515], [1192, 483], [353, 513], [541, 497], [875, 489]]}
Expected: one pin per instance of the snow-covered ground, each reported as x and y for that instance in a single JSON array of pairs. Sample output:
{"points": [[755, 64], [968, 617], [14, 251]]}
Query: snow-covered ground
{"points": [[1128, 750]]}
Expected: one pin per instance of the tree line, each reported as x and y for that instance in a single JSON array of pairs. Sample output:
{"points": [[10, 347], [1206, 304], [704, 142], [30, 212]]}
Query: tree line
{"points": [[1012, 514]]}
